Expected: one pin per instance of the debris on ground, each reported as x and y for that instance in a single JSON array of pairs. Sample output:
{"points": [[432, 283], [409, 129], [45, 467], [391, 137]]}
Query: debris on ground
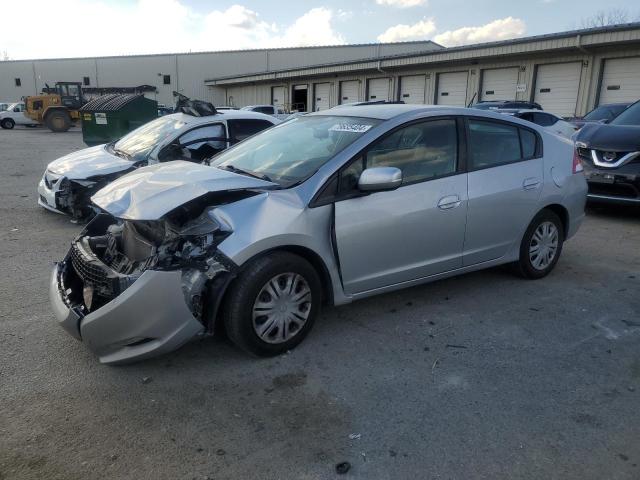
{"points": [[343, 468], [354, 436], [146, 379]]}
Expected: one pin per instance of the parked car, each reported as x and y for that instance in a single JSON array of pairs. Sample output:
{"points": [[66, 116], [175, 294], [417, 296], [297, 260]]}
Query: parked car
{"points": [[328, 208], [601, 114], [69, 182], [502, 104], [227, 107], [164, 110], [275, 111], [14, 115], [551, 122], [611, 157]]}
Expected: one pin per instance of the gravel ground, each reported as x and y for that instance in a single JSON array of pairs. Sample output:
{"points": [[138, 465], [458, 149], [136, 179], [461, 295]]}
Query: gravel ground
{"points": [[483, 376]]}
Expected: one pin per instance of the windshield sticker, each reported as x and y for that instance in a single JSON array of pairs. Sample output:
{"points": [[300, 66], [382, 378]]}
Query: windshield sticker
{"points": [[349, 127]]}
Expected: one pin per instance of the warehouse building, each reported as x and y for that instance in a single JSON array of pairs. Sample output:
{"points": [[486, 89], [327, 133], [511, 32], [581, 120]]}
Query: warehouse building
{"points": [[568, 73], [183, 72]]}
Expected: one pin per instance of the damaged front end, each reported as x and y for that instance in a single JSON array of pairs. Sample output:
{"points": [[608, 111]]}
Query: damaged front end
{"points": [[111, 254], [126, 287], [72, 196]]}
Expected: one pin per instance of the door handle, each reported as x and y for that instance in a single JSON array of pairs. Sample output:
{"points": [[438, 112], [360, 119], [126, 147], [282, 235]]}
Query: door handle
{"points": [[448, 202], [530, 183]]}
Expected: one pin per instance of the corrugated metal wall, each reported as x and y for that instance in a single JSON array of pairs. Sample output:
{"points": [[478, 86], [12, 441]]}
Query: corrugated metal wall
{"points": [[587, 89], [188, 71]]}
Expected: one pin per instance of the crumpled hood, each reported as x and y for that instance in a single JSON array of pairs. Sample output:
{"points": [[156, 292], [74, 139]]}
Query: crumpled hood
{"points": [[615, 138], [151, 192], [88, 162]]}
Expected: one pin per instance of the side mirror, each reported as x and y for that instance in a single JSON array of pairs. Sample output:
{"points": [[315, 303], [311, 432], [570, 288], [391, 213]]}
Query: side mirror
{"points": [[377, 179]]}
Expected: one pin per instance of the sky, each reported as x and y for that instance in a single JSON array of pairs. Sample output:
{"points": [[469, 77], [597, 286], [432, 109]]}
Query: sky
{"points": [[76, 28]]}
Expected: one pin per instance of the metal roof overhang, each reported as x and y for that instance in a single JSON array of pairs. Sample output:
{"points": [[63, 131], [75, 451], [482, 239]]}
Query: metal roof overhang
{"points": [[580, 40]]}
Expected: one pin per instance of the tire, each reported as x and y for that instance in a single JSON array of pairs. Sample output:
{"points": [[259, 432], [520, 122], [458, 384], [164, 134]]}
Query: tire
{"points": [[7, 123], [546, 232], [244, 317], [58, 121]]}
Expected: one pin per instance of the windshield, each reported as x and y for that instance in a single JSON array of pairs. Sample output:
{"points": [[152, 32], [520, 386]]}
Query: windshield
{"points": [[603, 113], [138, 144], [631, 116], [291, 152]]}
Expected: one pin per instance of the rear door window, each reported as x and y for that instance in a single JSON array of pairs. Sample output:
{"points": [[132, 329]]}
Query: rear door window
{"points": [[544, 119], [492, 143], [497, 143], [267, 110], [241, 129]]}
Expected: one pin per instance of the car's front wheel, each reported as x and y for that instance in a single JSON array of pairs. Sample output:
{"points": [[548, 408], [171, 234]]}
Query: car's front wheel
{"points": [[272, 304], [541, 245], [7, 123]]}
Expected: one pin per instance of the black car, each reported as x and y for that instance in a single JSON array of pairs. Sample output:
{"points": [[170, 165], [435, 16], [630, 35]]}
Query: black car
{"points": [[601, 114], [610, 154], [507, 104]]}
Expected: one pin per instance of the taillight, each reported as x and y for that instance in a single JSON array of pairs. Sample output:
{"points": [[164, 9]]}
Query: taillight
{"points": [[577, 164]]}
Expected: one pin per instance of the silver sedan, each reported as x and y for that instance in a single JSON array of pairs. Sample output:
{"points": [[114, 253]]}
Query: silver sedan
{"points": [[327, 208]]}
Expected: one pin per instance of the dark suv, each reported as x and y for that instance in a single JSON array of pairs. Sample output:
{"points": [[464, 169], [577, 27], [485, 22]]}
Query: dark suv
{"points": [[611, 157], [507, 104]]}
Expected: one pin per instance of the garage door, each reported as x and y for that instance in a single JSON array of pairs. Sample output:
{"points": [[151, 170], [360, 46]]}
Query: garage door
{"points": [[321, 96], [499, 84], [412, 88], [278, 95], [557, 87], [349, 91], [379, 89], [620, 80], [452, 89]]}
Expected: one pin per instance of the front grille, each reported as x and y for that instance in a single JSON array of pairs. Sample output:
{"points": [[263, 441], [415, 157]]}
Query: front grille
{"points": [[88, 272]]}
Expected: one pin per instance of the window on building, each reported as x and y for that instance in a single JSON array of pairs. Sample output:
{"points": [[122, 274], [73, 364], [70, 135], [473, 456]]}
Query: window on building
{"points": [[86, 80], [18, 82], [166, 79]]}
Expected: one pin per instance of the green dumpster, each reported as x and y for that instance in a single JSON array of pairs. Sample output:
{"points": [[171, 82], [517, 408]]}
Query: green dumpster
{"points": [[109, 117]]}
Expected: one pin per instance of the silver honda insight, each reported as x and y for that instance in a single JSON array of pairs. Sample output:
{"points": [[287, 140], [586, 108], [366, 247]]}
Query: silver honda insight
{"points": [[324, 209]]}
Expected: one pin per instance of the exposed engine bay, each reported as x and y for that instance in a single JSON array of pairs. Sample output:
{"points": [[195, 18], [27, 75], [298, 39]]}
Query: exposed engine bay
{"points": [[110, 254]]}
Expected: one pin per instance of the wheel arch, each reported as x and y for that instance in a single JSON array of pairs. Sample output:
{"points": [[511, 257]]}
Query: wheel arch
{"points": [[310, 256], [221, 289], [562, 213]]}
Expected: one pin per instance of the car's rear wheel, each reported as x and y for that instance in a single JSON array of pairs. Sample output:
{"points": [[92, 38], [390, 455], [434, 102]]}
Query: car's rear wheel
{"points": [[273, 304], [541, 245], [7, 123]]}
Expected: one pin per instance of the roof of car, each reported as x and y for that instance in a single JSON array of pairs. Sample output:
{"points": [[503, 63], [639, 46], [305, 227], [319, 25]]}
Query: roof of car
{"points": [[384, 111], [528, 110], [226, 114], [613, 104]]}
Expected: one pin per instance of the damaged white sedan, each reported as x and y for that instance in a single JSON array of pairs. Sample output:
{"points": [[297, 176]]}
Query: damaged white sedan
{"points": [[69, 182], [323, 209]]}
